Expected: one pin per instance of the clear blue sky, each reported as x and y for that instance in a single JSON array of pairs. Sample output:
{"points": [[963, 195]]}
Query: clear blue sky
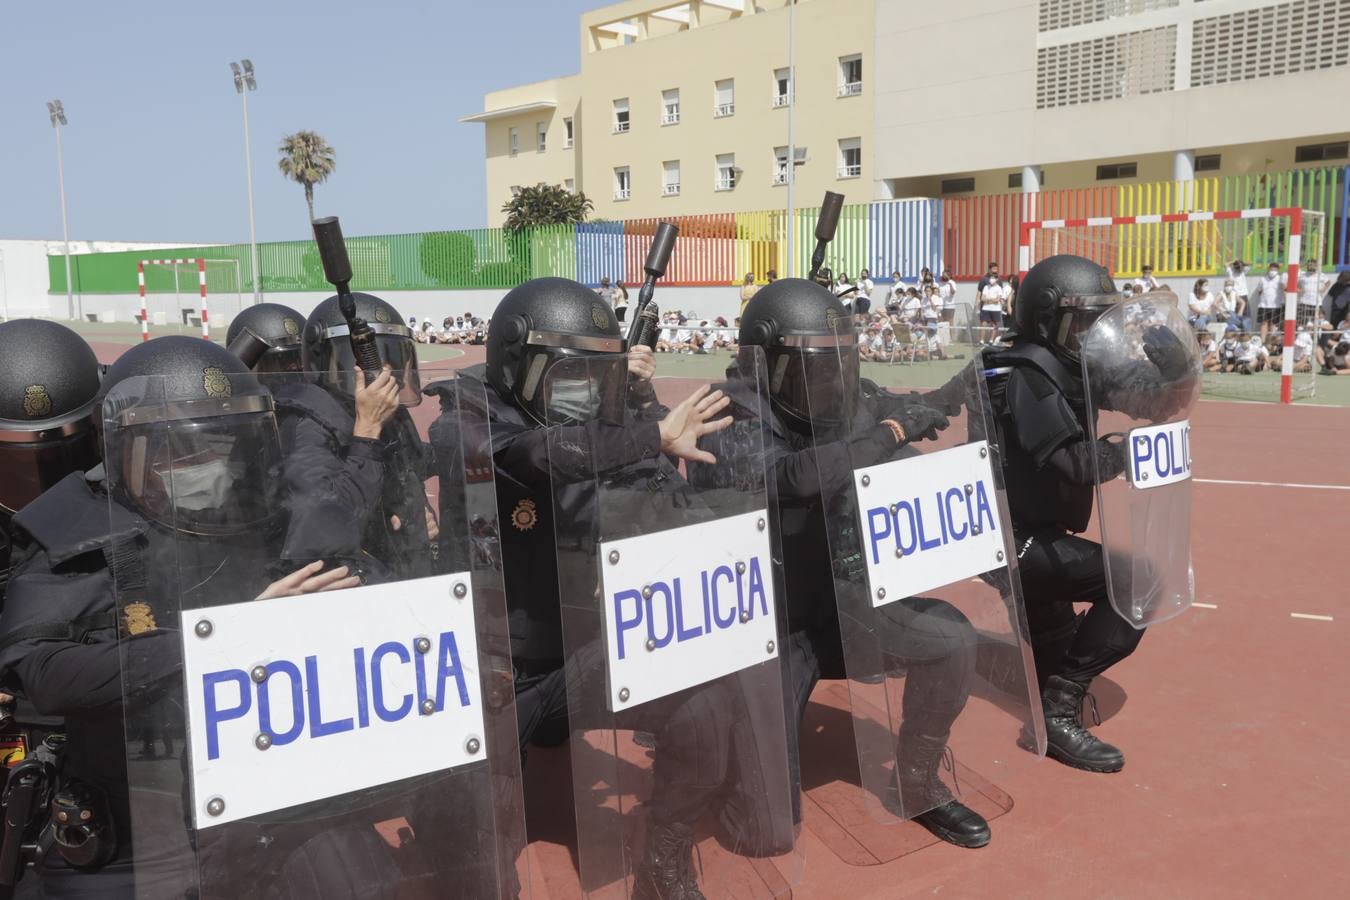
{"points": [[154, 148]]}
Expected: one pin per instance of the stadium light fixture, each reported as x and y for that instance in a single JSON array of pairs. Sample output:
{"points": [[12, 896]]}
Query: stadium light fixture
{"points": [[243, 83], [56, 112]]}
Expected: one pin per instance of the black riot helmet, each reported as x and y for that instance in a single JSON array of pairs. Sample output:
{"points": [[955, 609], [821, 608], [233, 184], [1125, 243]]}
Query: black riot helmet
{"points": [[327, 346], [190, 438], [266, 337], [541, 334], [811, 350], [1059, 299], [49, 378]]}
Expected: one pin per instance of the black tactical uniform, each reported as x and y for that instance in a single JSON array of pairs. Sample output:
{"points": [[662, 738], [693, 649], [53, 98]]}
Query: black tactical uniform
{"points": [[85, 541], [343, 491], [1050, 461], [48, 382], [535, 326], [812, 366]]}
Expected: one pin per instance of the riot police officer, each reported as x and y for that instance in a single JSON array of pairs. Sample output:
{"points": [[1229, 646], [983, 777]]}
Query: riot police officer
{"points": [[102, 558], [1051, 464], [813, 368], [353, 461], [266, 338], [601, 421]]}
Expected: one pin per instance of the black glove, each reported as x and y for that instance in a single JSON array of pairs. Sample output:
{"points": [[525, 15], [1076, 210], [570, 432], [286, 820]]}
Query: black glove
{"points": [[921, 422], [1164, 349]]}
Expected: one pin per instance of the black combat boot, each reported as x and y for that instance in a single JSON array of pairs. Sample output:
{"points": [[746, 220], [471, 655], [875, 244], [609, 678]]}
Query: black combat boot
{"points": [[1067, 739], [666, 871], [921, 788]]}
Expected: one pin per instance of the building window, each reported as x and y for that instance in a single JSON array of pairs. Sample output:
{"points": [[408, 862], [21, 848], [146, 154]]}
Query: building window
{"points": [[623, 186], [670, 107], [570, 184], [780, 165], [850, 75], [567, 133], [1117, 170], [958, 185], [541, 136], [621, 115], [1015, 180], [850, 157], [724, 98], [513, 136], [670, 178], [1209, 162], [726, 172], [782, 87], [1321, 152]]}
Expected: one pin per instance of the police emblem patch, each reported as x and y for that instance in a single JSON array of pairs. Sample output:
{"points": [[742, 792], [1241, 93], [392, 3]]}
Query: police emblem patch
{"points": [[36, 401], [291, 326], [381, 314], [600, 316], [137, 618], [524, 515], [215, 382], [830, 318], [1108, 286]]}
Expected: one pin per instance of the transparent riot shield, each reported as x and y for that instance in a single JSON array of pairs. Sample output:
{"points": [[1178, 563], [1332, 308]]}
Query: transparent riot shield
{"points": [[297, 729], [911, 510], [1141, 378], [671, 633]]}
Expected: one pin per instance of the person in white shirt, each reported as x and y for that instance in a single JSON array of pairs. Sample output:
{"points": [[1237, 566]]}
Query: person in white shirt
{"points": [[932, 306], [1230, 307], [1237, 272], [897, 289], [845, 290], [1146, 282], [862, 297], [1270, 300], [992, 298], [912, 308], [1303, 351], [947, 294], [1228, 348], [1312, 286], [1201, 304], [1209, 351], [1252, 355]]}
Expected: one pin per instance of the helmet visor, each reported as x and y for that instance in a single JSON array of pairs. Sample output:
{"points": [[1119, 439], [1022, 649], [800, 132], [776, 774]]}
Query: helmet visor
{"points": [[31, 467], [397, 350], [1074, 316], [817, 383], [202, 476], [578, 389]]}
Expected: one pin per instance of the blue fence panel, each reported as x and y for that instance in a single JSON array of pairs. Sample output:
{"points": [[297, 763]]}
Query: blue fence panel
{"points": [[600, 252], [904, 236]]}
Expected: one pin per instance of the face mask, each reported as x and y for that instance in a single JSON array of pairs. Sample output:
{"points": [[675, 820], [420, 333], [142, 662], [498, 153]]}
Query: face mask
{"points": [[202, 486], [573, 400], [1274, 273]]}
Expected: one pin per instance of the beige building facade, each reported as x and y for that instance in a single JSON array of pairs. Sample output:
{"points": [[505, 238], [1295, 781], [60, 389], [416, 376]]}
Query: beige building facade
{"points": [[683, 108]]}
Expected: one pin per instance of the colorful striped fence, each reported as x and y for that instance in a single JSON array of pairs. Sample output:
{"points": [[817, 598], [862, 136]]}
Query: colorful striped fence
{"points": [[962, 234]]}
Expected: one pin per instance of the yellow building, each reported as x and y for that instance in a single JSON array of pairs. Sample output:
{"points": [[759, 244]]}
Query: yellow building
{"points": [[682, 109]]}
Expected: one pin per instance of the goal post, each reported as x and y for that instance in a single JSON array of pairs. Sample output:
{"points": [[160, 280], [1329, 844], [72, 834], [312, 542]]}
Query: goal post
{"points": [[199, 267], [1201, 244]]}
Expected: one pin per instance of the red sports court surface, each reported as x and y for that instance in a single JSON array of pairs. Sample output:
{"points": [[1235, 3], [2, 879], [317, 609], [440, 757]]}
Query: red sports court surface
{"points": [[1234, 717]]}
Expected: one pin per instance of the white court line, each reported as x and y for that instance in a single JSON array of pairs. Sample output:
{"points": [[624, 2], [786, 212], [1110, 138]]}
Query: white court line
{"points": [[1206, 605], [1285, 484], [1312, 617]]}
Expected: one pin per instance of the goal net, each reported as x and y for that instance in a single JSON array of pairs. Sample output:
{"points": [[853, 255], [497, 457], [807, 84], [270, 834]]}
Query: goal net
{"points": [[174, 294], [1266, 346]]}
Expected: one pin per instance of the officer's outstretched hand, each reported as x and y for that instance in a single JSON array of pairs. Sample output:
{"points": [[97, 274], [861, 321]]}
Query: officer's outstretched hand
{"points": [[642, 362], [685, 424], [1164, 350], [309, 580], [375, 402], [921, 423]]}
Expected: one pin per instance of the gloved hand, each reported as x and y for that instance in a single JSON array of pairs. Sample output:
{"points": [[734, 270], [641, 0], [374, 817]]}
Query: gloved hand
{"points": [[920, 422], [1165, 350]]}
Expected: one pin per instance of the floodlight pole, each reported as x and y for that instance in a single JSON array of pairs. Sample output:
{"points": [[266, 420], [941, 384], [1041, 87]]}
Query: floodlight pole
{"points": [[243, 83], [57, 114]]}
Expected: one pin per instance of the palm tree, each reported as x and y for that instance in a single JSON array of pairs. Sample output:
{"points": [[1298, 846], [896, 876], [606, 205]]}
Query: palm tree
{"points": [[306, 158]]}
